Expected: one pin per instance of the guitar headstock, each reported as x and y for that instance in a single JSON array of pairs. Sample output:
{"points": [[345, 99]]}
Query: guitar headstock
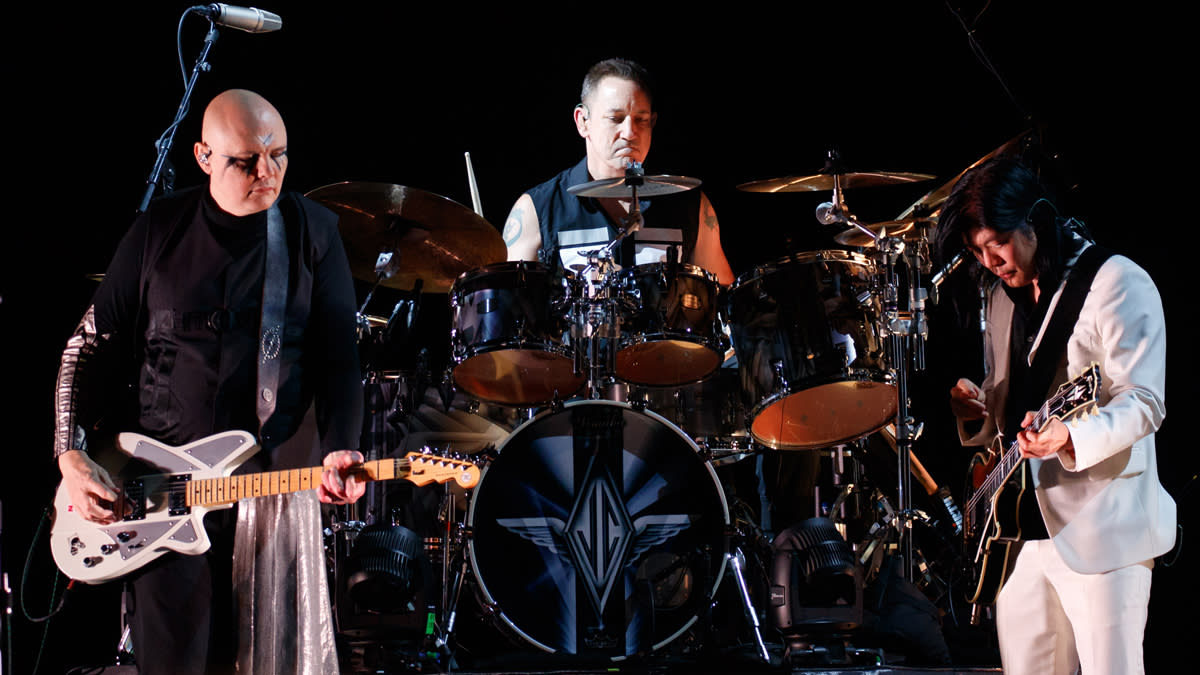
{"points": [[425, 468], [1077, 396]]}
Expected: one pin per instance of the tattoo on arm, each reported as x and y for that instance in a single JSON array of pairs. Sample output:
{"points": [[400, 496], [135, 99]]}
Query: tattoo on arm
{"points": [[708, 216], [513, 227]]}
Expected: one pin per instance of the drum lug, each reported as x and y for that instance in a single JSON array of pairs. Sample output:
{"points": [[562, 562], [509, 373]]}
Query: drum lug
{"points": [[781, 382]]}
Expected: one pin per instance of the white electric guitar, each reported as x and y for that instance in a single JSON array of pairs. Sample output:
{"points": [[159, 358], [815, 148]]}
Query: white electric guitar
{"points": [[165, 491]]}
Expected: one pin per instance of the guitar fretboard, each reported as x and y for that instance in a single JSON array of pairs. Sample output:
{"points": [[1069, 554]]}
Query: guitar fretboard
{"points": [[229, 489]]}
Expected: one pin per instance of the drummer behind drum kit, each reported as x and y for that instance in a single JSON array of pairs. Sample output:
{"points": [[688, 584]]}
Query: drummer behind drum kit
{"points": [[599, 527]]}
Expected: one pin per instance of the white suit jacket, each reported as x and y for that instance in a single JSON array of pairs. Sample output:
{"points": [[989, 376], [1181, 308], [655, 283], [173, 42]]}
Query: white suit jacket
{"points": [[1105, 508]]}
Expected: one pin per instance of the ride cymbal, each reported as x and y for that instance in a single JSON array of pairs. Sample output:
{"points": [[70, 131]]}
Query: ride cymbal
{"points": [[932, 201], [825, 181], [649, 186], [432, 239]]}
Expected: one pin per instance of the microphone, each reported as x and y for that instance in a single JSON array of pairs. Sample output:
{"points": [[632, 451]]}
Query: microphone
{"points": [[249, 19], [828, 213], [945, 272]]}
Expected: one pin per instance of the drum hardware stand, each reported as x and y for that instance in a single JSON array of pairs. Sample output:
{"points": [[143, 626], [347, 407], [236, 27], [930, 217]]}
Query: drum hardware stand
{"points": [[737, 563], [594, 310], [897, 332], [835, 511], [451, 546]]}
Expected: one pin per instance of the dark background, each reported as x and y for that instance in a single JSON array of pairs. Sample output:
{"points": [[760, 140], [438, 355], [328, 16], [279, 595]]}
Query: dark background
{"points": [[397, 93]]}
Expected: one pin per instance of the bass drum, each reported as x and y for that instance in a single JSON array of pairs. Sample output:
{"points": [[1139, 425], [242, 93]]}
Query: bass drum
{"points": [[597, 531], [510, 335], [805, 332]]}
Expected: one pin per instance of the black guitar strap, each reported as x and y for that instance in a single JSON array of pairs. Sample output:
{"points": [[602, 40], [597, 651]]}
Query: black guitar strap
{"points": [[274, 304], [1040, 373]]}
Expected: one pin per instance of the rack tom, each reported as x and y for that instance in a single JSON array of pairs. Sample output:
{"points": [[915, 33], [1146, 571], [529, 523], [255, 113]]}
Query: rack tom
{"points": [[510, 335], [810, 358]]}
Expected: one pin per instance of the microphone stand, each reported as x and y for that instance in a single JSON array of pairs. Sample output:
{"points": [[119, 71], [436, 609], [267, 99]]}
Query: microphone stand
{"points": [[165, 141]]}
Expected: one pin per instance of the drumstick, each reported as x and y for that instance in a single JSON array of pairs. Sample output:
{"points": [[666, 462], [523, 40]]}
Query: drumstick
{"points": [[915, 465], [474, 186]]}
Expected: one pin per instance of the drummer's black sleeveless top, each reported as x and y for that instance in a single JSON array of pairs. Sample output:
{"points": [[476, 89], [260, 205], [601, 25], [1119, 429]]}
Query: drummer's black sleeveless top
{"points": [[571, 226]]}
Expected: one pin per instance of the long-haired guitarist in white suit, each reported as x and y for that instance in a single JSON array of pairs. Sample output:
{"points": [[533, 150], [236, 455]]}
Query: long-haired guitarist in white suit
{"points": [[1077, 590], [180, 323]]}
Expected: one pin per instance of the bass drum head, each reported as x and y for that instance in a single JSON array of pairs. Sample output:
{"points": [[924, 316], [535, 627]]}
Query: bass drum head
{"points": [[598, 531]]}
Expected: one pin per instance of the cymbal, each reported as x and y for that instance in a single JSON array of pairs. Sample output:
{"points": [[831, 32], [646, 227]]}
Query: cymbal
{"points": [[436, 239], [824, 181], [94, 277], [652, 186], [852, 236], [933, 200]]}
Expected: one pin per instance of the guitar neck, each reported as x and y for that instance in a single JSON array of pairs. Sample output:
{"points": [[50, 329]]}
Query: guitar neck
{"points": [[229, 489], [999, 475]]}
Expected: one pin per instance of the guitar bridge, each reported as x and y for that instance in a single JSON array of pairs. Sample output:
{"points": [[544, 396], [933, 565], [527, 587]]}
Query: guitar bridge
{"points": [[177, 495]]}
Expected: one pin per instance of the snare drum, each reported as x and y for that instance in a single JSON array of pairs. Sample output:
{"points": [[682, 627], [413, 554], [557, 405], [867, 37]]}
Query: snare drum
{"points": [[598, 530], [670, 331], [810, 357], [510, 335]]}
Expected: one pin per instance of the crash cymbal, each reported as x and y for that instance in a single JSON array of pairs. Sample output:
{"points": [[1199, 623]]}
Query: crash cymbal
{"points": [[932, 201], [824, 181], [853, 236], [94, 277], [651, 186], [436, 239]]}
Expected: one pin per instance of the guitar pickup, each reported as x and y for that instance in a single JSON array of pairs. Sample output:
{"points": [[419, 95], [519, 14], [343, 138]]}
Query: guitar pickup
{"points": [[134, 496], [177, 495]]}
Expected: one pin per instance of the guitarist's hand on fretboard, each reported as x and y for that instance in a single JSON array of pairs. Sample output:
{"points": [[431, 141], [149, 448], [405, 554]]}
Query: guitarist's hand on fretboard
{"points": [[1052, 438], [91, 489], [339, 481]]}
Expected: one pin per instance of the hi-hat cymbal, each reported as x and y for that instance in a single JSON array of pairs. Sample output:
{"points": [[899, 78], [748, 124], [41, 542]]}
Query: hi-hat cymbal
{"points": [[650, 186], [932, 201], [824, 181], [852, 236], [436, 239]]}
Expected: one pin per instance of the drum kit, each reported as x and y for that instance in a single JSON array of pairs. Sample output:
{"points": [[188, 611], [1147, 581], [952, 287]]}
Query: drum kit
{"points": [[602, 401]]}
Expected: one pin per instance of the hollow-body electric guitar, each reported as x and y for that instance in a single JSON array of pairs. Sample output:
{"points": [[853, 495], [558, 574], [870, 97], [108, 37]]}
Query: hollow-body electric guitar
{"points": [[993, 510], [164, 492]]}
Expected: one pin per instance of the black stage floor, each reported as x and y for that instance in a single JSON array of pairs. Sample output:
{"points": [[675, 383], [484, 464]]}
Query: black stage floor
{"points": [[749, 662]]}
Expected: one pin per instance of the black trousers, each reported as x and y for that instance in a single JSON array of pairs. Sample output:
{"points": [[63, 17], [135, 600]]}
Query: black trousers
{"points": [[180, 608]]}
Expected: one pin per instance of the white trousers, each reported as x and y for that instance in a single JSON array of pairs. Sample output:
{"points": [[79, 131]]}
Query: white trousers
{"points": [[1052, 619]]}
